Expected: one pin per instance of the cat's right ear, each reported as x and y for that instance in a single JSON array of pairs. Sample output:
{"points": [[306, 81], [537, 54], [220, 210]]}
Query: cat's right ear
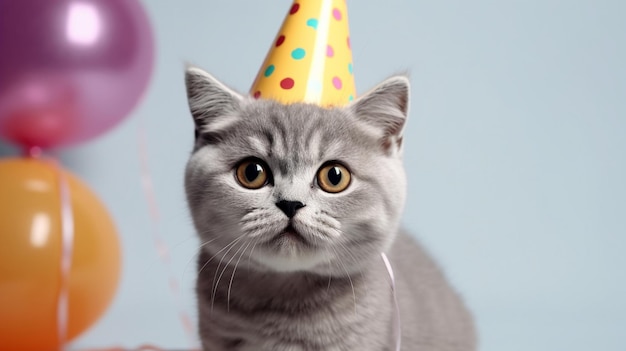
{"points": [[212, 104], [385, 108]]}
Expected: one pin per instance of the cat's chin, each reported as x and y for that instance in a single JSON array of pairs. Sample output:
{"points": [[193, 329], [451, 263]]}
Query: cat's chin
{"points": [[290, 259], [290, 250]]}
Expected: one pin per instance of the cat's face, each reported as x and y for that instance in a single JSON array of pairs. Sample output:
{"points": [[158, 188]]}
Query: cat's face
{"points": [[295, 187]]}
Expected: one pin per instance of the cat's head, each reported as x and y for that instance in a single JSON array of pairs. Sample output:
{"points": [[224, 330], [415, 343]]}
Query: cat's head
{"points": [[296, 187]]}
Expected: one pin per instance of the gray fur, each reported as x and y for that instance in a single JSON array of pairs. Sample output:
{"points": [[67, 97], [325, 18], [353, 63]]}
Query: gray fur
{"points": [[333, 292]]}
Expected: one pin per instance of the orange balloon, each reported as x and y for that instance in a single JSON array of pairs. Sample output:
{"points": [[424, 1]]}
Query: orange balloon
{"points": [[30, 254]]}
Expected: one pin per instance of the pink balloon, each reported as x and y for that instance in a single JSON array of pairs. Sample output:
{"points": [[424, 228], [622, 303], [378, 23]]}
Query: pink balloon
{"points": [[70, 70]]}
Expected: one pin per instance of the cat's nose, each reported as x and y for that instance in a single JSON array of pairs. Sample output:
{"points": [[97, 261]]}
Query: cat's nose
{"points": [[289, 207]]}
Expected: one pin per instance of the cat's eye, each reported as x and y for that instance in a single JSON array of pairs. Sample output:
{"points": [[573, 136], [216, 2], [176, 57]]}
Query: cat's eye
{"points": [[333, 177], [252, 173]]}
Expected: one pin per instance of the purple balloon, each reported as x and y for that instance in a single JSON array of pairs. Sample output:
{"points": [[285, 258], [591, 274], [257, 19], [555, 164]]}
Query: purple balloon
{"points": [[70, 69]]}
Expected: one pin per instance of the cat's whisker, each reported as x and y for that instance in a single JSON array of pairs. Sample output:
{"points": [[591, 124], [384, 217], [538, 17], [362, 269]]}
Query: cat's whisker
{"points": [[261, 218], [256, 232], [203, 233], [347, 251], [210, 241], [183, 241], [256, 241], [253, 213], [327, 256], [330, 233], [315, 239], [349, 278], [217, 269], [222, 272], [251, 225], [232, 277], [195, 255], [330, 220], [219, 264], [257, 217], [317, 232], [328, 228], [325, 224], [192, 258], [260, 228], [217, 253], [330, 274]]}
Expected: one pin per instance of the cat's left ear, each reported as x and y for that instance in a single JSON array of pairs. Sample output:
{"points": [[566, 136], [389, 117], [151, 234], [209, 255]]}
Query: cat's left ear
{"points": [[212, 104], [385, 108]]}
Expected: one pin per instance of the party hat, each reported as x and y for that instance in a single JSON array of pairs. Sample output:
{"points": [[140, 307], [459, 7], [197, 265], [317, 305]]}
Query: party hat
{"points": [[311, 59]]}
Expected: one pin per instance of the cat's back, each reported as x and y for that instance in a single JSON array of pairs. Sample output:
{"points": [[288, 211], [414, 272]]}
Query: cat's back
{"points": [[433, 315]]}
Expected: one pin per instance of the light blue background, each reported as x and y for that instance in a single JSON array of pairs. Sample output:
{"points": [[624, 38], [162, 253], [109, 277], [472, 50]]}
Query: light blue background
{"points": [[515, 151]]}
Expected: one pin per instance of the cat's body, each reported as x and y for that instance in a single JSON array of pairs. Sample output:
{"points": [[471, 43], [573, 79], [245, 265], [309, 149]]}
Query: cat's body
{"points": [[293, 205], [299, 311]]}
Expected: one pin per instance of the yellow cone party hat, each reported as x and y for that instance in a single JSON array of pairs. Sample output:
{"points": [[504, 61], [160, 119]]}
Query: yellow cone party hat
{"points": [[311, 59]]}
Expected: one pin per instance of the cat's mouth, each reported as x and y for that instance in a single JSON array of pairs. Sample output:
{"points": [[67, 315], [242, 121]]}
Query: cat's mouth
{"points": [[290, 235]]}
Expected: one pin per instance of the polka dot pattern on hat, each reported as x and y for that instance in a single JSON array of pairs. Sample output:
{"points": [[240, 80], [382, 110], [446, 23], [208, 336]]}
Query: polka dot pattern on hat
{"points": [[312, 22], [294, 8], [337, 83], [303, 66], [269, 70], [287, 83], [337, 14], [298, 53], [280, 40]]}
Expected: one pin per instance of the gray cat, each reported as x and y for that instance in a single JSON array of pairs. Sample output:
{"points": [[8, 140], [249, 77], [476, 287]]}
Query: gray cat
{"points": [[294, 205]]}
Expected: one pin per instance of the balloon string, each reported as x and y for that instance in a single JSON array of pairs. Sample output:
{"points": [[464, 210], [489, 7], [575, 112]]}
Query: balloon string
{"points": [[160, 245], [67, 249], [396, 320]]}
